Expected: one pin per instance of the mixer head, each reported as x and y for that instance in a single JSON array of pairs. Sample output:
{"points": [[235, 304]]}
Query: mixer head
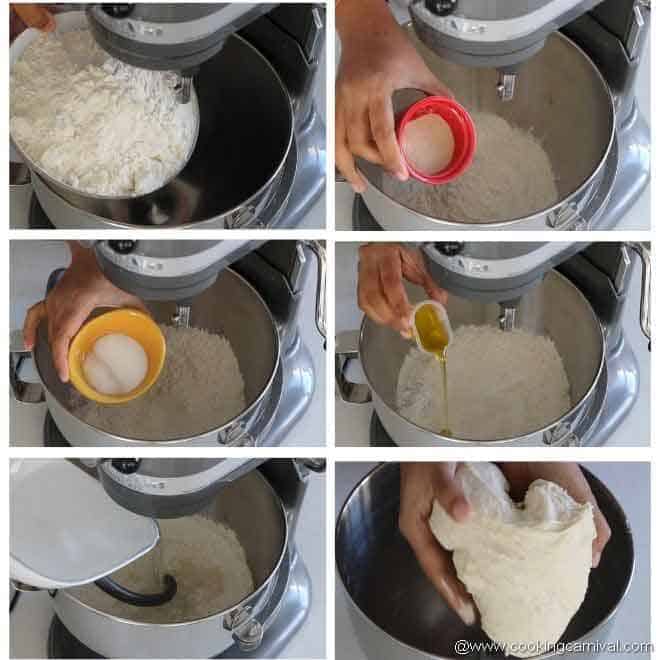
{"points": [[483, 33], [167, 270], [169, 36], [493, 272], [168, 487]]}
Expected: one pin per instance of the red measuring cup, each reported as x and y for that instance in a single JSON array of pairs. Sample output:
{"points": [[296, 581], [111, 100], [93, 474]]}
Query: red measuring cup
{"points": [[462, 128]]}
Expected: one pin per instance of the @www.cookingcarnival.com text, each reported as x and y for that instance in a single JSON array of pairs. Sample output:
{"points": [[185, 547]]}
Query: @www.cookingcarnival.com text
{"points": [[465, 647]]}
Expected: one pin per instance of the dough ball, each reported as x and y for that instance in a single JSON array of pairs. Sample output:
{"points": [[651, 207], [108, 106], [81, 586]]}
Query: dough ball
{"points": [[117, 364], [428, 144]]}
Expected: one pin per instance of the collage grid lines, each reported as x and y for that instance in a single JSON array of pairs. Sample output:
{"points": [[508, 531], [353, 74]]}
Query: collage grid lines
{"points": [[336, 240]]}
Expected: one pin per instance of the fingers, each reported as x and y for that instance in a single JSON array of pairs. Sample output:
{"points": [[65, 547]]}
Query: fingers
{"points": [[360, 140], [370, 295], [603, 535], [59, 347], [381, 118], [50, 25], [434, 292], [32, 320], [571, 478], [381, 294], [61, 332], [344, 160], [391, 281], [431, 85], [414, 270], [449, 494], [438, 567]]}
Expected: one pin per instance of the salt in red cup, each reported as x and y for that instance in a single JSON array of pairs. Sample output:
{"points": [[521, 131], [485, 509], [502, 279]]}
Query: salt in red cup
{"points": [[462, 128]]}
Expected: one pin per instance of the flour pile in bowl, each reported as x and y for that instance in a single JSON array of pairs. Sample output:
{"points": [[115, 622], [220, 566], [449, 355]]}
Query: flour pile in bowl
{"points": [[526, 564], [205, 557], [199, 389], [94, 123], [501, 385], [511, 177]]}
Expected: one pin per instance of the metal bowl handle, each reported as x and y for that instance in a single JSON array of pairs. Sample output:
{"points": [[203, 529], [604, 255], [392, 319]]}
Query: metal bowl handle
{"points": [[644, 253], [346, 349], [23, 391], [247, 624], [19, 175], [236, 435], [568, 218], [561, 435], [319, 252]]}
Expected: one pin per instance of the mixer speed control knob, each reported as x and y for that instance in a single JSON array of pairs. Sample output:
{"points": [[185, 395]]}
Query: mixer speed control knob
{"points": [[450, 248], [441, 7], [122, 247], [118, 9], [126, 465]]}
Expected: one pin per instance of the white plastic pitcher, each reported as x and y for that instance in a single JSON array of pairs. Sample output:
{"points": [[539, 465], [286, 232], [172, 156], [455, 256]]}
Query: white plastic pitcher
{"points": [[65, 530]]}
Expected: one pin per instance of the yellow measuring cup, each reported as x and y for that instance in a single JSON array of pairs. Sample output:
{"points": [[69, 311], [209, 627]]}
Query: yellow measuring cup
{"points": [[131, 322], [431, 327]]}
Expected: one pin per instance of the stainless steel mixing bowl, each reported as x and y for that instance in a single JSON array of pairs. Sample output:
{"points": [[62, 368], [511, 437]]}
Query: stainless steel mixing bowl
{"points": [[238, 505], [562, 98], [245, 136], [231, 307], [555, 307], [396, 612]]}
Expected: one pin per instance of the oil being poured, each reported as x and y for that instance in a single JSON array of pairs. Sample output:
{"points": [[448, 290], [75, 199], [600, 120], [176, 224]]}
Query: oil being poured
{"points": [[433, 336]]}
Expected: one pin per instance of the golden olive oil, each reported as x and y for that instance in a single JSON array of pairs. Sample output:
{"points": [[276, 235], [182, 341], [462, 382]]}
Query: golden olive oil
{"points": [[434, 338]]}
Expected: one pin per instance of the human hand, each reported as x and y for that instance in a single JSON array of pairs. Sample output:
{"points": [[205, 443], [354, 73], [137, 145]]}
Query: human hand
{"points": [[570, 477], [381, 293], [82, 288], [377, 58], [23, 16], [421, 485]]}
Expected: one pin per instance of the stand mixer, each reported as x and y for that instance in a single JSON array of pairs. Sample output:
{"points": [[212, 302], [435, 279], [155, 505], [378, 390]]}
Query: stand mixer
{"points": [[506, 282], [169, 37], [271, 167], [226, 490], [506, 36], [184, 283]]}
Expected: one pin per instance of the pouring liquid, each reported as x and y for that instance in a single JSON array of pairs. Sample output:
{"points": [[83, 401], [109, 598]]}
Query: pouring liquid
{"points": [[434, 339]]}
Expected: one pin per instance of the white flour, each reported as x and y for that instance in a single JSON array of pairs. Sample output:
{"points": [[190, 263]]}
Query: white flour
{"points": [[501, 384], [527, 566], [95, 123], [199, 389], [511, 177], [206, 559]]}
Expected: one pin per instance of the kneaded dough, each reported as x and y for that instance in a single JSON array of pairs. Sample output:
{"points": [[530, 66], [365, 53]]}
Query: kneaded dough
{"points": [[526, 566]]}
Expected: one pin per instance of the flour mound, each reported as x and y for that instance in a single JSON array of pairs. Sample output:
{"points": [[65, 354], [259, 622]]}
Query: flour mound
{"points": [[527, 566], [206, 559], [511, 177], [95, 123], [199, 389], [501, 384]]}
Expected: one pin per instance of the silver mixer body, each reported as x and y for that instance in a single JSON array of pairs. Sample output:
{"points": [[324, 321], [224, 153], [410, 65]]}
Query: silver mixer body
{"points": [[249, 168], [578, 290], [233, 492], [263, 292], [499, 46], [172, 36], [483, 33]]}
